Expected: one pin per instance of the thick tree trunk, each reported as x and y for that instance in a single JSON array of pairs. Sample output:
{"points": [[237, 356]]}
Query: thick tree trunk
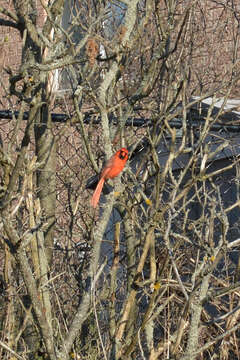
{"points": [[46, 177]]}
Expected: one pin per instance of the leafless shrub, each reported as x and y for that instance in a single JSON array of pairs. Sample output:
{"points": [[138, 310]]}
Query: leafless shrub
{"points": [[149, 274]]}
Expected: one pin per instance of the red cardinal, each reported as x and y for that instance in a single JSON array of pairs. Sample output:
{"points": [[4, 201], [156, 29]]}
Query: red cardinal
{"points": [[112, 168]]}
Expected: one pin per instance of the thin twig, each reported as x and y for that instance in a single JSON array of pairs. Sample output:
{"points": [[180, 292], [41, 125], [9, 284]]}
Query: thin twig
{"points": [[6, 347]]}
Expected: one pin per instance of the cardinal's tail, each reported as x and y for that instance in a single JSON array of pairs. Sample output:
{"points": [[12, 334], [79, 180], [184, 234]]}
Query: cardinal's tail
{"points": [[97, 193]]}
